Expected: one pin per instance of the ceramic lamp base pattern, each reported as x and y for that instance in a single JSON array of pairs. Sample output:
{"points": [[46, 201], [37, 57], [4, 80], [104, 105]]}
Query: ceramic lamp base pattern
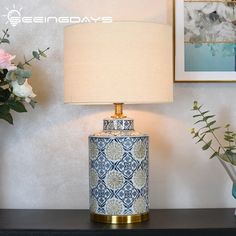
{"points": [[118, 160]]}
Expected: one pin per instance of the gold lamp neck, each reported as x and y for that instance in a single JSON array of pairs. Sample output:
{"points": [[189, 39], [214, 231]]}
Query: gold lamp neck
{"points": [[118, 111]]}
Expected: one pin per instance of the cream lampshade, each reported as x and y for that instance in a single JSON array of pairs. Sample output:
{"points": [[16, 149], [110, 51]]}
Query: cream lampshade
{"points": [[119, 62], [128, 62]]}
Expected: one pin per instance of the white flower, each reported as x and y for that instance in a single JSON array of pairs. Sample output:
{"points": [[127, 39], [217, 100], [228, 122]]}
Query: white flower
{"points": [[23, 91]]}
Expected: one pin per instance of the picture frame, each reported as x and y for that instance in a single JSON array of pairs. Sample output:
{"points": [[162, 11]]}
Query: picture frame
{"points": [[200, 56]]}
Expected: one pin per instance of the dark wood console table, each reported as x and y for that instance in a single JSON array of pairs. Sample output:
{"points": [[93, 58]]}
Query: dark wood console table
{"points": [[77, 223]]}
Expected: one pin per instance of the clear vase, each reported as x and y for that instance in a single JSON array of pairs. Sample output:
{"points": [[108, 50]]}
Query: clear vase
{"points": [[234, 194], [231, 171]]}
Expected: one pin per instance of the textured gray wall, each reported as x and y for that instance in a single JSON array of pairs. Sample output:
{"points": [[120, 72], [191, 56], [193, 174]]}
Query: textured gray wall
{"points": [[43, 158]]}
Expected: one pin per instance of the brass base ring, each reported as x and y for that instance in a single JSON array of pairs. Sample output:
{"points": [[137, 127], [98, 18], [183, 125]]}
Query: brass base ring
{"points": [[119, 219]]}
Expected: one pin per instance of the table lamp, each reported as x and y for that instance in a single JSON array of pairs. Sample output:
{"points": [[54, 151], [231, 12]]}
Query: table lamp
{"points": [[117, 63]]}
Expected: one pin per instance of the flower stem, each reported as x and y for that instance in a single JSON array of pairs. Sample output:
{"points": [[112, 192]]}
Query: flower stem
{"points": [[27, 62]]}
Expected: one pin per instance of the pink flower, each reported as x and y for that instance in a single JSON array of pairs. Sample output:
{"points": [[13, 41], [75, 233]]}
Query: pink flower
{"points": [[5, 60]]}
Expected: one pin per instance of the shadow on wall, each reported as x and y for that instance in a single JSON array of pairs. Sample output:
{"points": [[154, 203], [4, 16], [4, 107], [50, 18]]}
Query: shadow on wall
{"points": [[161, 153], [155, 121], [42, 87]]}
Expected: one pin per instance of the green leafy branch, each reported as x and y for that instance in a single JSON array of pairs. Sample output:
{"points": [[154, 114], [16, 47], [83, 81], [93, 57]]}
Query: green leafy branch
{"points": [[206, 134], [36, 55]]}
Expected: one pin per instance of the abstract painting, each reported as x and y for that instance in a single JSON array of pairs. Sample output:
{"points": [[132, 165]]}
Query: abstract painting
{"points": [[205, 40], [210, 35]]}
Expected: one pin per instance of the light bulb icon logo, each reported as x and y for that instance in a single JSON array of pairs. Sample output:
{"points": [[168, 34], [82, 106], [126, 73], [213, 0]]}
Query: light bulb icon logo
{"points": [[13, 16]]}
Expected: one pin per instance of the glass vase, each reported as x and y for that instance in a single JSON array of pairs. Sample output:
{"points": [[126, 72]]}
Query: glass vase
{"points": [[231, 171], [234, 194]]}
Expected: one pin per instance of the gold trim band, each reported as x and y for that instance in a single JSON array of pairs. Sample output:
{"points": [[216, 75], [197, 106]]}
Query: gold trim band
{"points": [[120, 219]]}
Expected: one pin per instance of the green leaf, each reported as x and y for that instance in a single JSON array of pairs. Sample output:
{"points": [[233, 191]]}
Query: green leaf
{"points": [[4, 109], [17, 106], [214, 154], [204, 112], [36, 55], [3, 73], [201, 139], [211, 130], [230, 147], [11, 76], [23, 73], [211, 123], [207, 145], [42, 53], [198, 121], [4, 94], [196, 116], [4, 41], [208, 117], [228, 137], [7, 117], [229, 140], [228, 132]]}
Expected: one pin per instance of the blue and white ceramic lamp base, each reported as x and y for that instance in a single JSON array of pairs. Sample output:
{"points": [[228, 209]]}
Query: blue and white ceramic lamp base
{"points": [[118, 173]]}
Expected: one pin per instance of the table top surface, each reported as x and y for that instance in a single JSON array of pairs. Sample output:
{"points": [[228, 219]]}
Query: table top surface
{"points": [[80, 220]]}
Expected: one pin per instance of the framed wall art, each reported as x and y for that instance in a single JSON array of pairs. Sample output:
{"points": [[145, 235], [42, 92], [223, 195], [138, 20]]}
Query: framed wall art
{"points": [[205, 40]]}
